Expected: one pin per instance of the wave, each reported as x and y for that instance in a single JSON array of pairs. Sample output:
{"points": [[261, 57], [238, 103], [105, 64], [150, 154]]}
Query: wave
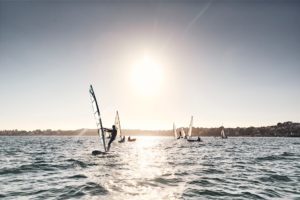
{"points": [[272, 158], [183, 173], [77, 176], [211, 193], [213, 171], [275, 178], [89, 188], [287, 154], [93, 188], [29, 168], [77, 163], [271, 193], [296, 143], [283, 156], [42, 166], [250, 195], [201, 182], [170, 181]]}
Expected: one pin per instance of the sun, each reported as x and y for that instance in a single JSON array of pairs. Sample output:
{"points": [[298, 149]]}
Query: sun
{"points": [[147, 76]]}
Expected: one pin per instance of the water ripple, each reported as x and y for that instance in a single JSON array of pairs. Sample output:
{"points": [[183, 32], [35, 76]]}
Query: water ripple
{"points": [[150, 168]]}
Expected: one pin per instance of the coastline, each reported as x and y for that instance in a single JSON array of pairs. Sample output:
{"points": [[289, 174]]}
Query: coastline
{"points": [[285, 129]]}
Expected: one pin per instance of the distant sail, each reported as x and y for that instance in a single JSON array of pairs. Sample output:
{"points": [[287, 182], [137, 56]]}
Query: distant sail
{"points": [[118, 125], [223, 135], [174, 130], [190, 128], [96, 113]]}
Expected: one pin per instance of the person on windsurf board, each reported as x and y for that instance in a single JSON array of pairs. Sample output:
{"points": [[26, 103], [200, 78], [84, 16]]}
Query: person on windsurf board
{"points": [[131, 139], [113, 135]]}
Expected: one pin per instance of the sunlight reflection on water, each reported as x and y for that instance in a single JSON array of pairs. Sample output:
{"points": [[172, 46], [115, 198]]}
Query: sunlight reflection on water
{"points": [[150, 168]]}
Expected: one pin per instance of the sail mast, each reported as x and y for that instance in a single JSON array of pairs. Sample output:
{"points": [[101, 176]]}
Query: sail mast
{"points": [[191, 127], [118, 124], [97, 113]]}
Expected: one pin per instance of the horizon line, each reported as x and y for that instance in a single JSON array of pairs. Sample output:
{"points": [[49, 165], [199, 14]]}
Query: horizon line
{"points": [[158, 129]]}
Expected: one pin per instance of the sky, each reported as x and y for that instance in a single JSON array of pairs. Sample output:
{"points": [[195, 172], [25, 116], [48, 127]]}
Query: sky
{"points": [[231, 63]]}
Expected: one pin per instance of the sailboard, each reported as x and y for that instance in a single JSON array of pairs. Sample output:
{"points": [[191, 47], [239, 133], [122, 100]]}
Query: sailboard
{"points": [[190, 128], [97, 116]]}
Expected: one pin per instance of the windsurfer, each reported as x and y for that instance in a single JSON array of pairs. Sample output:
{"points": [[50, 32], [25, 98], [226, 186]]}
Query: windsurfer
{"points": [[113, 132]]}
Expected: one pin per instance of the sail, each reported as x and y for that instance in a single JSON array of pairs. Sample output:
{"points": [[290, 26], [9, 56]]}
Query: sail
{"points": [[96, 113], [190, 128], [182, 132], [118, 125], [223, 135], [174, 130]]}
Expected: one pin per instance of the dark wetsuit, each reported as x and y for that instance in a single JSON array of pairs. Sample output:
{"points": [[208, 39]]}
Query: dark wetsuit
{"points": [[113, 136]]}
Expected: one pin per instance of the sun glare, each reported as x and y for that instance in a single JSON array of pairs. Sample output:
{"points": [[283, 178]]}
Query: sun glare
{"points": [[147, 76]]}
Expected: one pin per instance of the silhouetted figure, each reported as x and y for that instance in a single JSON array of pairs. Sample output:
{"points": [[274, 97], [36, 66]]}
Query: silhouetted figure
{"points": [[113, 135], [199, 139], [131, 140]]}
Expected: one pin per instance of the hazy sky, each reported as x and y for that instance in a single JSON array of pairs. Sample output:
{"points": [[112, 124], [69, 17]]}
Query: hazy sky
{"points": [[235, 63]]}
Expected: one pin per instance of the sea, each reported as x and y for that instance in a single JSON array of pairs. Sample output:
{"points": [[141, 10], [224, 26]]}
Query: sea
{"points": [[52, 167]]}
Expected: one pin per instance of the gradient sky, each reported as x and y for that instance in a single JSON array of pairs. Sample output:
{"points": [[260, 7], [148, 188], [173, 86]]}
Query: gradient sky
{"points": [[235, 63]]}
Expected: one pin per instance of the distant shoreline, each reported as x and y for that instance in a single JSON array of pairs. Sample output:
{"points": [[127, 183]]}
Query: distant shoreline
{"points": [[285, 129], [147, 136]]}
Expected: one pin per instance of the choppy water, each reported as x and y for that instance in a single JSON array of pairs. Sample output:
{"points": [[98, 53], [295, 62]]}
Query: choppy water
{"points": [[150, 168]]}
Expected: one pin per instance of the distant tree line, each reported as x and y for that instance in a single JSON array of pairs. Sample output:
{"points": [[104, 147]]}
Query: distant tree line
{"points": [[286, 129], [49, 132]]}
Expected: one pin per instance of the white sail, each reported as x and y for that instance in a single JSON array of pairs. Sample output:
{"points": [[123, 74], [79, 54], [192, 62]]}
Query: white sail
{"points": [[118, 125], [182, 132], [223, 135], [174, 130], [190, 128], [96, 113]]}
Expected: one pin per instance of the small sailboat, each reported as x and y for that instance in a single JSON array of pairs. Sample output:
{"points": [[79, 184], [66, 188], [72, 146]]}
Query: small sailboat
{"points": [[182, 133], [119, 130], [97, 116], [190, 139], [223, 135]]}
